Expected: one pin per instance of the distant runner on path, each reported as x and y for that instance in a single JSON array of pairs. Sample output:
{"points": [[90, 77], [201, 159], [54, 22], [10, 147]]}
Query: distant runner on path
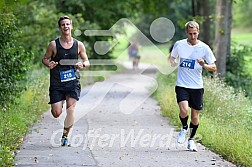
{"points": [[64, 79], [192, 54], [133, 51]]}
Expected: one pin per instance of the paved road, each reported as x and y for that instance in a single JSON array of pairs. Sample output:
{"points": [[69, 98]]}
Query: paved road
{"points": [[119, 125]]}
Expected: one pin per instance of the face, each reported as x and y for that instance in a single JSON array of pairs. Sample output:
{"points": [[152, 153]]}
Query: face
{"points": [[192, 35], [65, 26]]}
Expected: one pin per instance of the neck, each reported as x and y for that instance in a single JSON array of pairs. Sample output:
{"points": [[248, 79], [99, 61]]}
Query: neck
{"points": [[192, 42], [66, 39]]}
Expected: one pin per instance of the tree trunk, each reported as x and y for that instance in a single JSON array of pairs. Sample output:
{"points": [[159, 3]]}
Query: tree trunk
{"points": [[223, 34], [202, 8], [193, 8], [205, 12]]}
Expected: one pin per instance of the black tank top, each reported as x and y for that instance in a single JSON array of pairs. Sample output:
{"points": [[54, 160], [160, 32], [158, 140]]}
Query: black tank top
{"points": [[62, 53]]}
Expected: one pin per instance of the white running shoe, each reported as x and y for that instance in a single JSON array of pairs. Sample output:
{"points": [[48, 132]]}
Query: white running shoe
{"points": [[192, 146], [182, 136]]}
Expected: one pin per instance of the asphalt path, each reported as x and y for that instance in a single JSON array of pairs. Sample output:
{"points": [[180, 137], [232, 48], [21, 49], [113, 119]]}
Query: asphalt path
{"points": [[118, 124]]}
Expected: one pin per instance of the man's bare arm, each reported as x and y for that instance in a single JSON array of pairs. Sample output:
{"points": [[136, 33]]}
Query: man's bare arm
{"points": [[83, 55], [50, 51], [209, 67], [173, 61]]}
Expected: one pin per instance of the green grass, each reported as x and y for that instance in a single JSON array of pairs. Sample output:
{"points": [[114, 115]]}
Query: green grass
{"points": [[225, 123], [242, 37], [230, 113], [25, 111]]}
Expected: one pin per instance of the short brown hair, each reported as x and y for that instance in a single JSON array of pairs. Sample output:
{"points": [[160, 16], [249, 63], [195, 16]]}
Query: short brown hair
{"points": [[63, 18]]}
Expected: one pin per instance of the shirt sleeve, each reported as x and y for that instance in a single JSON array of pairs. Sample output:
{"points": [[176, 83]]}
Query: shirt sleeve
{"points": [[174, 51], [209, 56]]}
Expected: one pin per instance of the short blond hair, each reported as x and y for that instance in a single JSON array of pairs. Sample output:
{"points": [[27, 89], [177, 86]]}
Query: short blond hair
{"points": [[191, 24]]}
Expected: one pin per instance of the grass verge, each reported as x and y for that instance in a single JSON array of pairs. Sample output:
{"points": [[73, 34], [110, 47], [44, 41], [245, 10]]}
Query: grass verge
{"points": [[242, 36], [225, 123], [26, 110]]}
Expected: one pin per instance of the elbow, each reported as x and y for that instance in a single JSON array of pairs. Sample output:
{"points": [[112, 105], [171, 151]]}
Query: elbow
{"points": [[43, 61], [213, 69]]}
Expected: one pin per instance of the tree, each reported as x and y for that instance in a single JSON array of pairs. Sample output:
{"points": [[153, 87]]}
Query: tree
{"points": [[38, 23], [202, 11], [241, 12], [14, 60], [223, 34]]}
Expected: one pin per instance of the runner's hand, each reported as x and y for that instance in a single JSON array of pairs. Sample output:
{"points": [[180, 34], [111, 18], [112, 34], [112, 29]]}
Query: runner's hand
{"points": [[52, 64], [173, 62], [201, 62], [79, 64]]}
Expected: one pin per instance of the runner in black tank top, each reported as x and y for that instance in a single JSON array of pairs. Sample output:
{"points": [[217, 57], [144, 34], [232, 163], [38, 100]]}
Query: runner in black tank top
{"points": [[58, 89], [64, 79], [62, 53]]}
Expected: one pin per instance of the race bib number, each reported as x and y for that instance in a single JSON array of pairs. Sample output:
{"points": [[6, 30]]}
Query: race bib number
{"points": [[187, 63], [67, 75]]}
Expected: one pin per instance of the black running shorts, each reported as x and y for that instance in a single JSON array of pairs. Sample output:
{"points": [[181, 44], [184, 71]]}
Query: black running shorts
{"points": [[193, 96], [70, 89]]}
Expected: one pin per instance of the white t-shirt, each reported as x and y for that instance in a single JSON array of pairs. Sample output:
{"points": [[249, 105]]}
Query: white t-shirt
{"points": [[189, 70]]}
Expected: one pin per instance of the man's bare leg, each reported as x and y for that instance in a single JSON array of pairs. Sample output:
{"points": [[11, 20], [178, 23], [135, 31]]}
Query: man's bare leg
{"points": [[56, 109], [70, 111]]}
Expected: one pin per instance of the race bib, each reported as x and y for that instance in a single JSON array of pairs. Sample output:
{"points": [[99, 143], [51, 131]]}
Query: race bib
{"points": [[67, 75], [187, 63]]}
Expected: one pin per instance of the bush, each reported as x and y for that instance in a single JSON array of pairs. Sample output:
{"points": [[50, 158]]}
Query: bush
{"points": [[238, 69], [21, 114], [14, 61]]}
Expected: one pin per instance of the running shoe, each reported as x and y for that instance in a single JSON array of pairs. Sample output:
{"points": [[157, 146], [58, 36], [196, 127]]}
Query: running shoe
{"points": [[191, 145], [64, 141], [182, 136]]}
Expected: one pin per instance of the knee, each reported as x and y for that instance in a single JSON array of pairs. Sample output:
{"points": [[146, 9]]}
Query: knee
{"points": [[183, 111], [183, 107], [56, 113], [195, 119]]}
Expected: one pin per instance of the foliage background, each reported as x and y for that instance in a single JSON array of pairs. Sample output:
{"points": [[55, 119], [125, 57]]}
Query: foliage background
{"points": [[27, 27]]}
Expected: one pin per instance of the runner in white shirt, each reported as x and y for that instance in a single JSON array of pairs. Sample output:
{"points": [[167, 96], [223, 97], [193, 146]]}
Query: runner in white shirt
{"points": [[191, 55]]}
